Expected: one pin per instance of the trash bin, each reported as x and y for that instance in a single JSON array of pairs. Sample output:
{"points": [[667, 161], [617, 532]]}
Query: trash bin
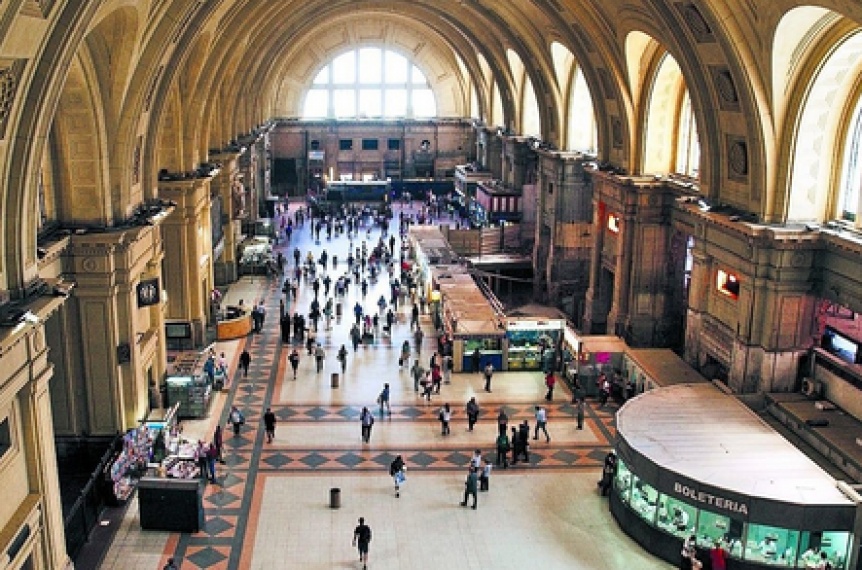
{"points": [[334, 380], [335, 494]]}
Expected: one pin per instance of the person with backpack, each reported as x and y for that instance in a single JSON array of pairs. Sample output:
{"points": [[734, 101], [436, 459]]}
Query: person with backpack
{"points": [[383, 400], [396, 471], [362, 539]]}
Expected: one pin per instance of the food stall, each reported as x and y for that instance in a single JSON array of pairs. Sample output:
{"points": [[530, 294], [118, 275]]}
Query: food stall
{"points": [[255, 256], [693, 460], [469, 321], [533, 344], [190, 383]]}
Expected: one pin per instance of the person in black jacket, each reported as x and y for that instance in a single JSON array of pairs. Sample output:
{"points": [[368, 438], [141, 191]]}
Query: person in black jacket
{"points": [[396, 471]]}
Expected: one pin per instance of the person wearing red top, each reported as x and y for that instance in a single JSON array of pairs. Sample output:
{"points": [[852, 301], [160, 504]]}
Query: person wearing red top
{"points": [[718, 555], [550, 382]]}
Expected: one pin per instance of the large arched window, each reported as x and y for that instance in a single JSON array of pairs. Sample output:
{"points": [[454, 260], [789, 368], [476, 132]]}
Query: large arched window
{"points": [[370, 83], [850, 194]]}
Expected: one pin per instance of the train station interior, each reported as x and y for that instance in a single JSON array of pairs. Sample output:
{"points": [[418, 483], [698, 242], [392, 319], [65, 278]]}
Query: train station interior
{"points": [[662, 195]]}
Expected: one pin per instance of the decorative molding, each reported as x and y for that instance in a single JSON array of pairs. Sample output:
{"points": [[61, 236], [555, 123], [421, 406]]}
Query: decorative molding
{"points": [[10, 75], [737, 158], [606, 81], [617, 132], [697, 24], [725, 86]]}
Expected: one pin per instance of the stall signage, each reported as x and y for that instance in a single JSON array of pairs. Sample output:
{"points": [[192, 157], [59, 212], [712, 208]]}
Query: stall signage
{"points": [[702, 497], [526, 325]]}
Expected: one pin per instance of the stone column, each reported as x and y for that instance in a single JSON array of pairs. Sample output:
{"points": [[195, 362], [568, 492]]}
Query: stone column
{"points": [[188, 263], [593, 302]]}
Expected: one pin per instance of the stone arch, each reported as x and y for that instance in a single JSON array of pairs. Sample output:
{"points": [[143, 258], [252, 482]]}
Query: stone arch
{"points": [[819, 80]]}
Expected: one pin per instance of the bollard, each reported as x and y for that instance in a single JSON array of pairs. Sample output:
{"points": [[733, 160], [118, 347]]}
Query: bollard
{"points": [[335, 498], [334, 381]]}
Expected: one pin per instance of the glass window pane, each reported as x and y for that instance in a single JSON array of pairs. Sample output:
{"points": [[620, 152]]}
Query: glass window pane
{"points": [[396, 68], [316, 103], [833, 543], [676, 517], [370, 66], [623, 481], [369, 103], [396, 102], [424, 104], [344, 68], [644, 499], [417, 77], [344, 102], [322, 76], [771, 545]]}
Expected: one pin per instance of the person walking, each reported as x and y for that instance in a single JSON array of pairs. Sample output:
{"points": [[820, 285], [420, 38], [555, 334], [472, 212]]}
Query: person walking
{"points": [[294, 361], [472, 409], [269, 425], [212, 456], [244, 362], [418, 373], [470, 488], [383, 400], [414, 316], [503, 447], [342, 358], [396, 471], [489, 373], [541, 423], [445, 416], [579, 407], [361, 540], [366, 418], [448, 366], [319, 354], [171, 565], [236, 418], [404, 359], [550, 382], [502, 422]]}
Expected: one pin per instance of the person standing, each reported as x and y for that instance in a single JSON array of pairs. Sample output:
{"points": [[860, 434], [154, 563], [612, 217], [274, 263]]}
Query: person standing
{"points": [[244, 362], [472, 413], [484, 475], [418, 373], [609, 471], [445, 416], [475, 361], [342, 358], [396, 471], [489, 373], [212, 456], [218, 442], [236, 418], [366, 418], [579, 406], [448, 365], [414, 316], [319, 354], [294, 361], [502, 422], [269, 425], [550, 382], [541, 423], [383, 400], [171, 565], [362, 539], [470, 488], [503, 447], [404, 359]]}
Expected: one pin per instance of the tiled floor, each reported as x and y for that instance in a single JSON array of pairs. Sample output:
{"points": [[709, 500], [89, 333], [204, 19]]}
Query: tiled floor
{"points": [[270, 507]]}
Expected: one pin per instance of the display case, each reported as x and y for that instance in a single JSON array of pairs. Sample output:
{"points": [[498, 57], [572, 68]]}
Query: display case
{"points": [[490, 350], [533, 344]]}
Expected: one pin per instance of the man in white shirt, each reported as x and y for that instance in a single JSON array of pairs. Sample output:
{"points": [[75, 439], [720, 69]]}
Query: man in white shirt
{"points": [[541, 423]]}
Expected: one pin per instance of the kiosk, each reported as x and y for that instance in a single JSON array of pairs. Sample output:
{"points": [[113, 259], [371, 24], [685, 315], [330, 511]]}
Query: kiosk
{"points": [[533, 343], [693, 460]]}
